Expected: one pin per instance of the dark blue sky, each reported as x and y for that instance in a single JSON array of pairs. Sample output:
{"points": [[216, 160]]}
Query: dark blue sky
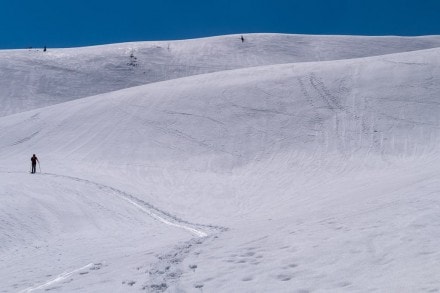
{"points": [[67, 23]]}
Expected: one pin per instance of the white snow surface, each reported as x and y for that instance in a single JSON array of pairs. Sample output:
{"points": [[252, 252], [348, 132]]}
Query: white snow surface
{"points": [[31, 78], [285, 163]]}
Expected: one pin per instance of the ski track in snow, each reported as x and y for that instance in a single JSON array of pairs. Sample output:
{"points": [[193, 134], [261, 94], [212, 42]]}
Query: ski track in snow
{"points": [[155, 213], [152, 211], [196, 232], [59, 278]]}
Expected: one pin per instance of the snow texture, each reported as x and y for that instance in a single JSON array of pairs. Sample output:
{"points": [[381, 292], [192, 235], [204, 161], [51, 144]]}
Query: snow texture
{"points": [[283, 163]]}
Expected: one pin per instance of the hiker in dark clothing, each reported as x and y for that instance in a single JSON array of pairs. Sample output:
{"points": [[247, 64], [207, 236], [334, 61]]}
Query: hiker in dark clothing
{"points": [[34, 161]]}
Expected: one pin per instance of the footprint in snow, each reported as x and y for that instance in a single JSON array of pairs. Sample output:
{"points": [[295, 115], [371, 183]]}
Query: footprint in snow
{"points": [[52, 288], [96, 266], [198, 286], [129, 283], [283, 277]]}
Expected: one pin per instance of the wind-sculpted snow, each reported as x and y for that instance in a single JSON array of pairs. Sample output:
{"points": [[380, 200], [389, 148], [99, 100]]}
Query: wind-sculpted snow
{"points": [[308, 177], [31, 78], [385, 106]]}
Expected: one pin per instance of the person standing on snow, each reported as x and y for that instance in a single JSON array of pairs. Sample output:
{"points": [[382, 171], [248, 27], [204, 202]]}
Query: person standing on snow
{"points": [[34, 161]]}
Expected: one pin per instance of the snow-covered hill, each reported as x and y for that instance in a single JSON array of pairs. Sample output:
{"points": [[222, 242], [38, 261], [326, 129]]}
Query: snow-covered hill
{"points": [[32, 78], [286, 177]]}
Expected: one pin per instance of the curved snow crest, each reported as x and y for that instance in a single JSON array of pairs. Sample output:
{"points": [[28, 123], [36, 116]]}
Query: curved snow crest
{"points": [[152, 211]]}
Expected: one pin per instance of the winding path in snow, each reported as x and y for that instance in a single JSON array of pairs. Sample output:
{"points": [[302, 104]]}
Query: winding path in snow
{"points": [[152, 211], [143, 206]]}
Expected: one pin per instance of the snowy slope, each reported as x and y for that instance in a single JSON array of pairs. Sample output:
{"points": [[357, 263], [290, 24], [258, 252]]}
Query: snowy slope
{"points": [[53, 225], [304, 177], [32, 78]]}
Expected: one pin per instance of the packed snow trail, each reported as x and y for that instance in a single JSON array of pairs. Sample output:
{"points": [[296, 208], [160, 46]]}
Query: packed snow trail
{"points": [[153, 212], [196, 232], [87, 195], [59, 278]]}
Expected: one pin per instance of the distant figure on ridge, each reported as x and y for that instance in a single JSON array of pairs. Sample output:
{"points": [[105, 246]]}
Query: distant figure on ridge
{"points": [[242, 39], [45, 49], [34, 161]]}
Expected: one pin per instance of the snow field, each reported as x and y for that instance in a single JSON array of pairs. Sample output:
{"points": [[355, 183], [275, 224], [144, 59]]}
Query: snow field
{"points": [[306, 177], [32, 79]]}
